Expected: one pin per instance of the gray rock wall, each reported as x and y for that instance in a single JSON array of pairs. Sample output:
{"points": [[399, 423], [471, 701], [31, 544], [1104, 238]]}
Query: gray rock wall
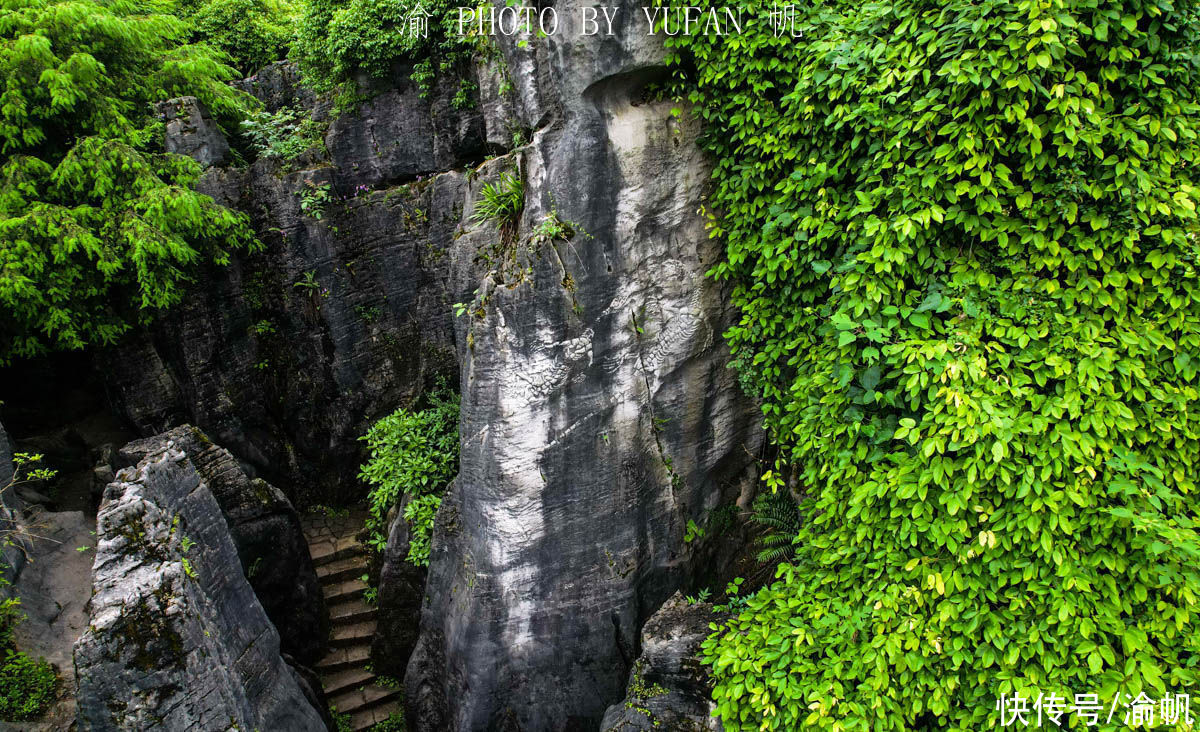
{"points": [[177, 639], [287, 356], [598, 415]]}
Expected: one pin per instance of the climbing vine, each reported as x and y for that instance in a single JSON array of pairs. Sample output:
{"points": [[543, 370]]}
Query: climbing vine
{"points": [[962, 237]]}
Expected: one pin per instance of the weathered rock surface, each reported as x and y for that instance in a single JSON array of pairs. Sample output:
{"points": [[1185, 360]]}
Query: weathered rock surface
{"points": [[266, 533], [401, 588], [598, 413], [287, 356], [669, 689], [191, 131], [12, 553], [599, 416], [177, 639], [54, 587]]}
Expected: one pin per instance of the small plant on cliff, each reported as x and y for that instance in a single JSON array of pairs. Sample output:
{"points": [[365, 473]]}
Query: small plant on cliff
{"points": [[414, 453], [314, 197], [284, 134], [501, 202]]}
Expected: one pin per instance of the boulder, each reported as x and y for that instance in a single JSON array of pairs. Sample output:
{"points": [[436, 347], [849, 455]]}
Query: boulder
{"points": [[176, 638], [669, 689], [266, 534], [192, 131]]}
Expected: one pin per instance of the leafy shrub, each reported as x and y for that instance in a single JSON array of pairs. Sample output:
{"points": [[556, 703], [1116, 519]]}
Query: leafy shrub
{"points": [[962, 237], [98, 226], [10, 615], [336, 40], [26, 687], [284, 134], [253, 32], [415, 453]]}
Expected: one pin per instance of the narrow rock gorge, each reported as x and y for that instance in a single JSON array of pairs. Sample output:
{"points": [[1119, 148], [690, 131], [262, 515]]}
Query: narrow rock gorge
{"points": [[600, 424]]}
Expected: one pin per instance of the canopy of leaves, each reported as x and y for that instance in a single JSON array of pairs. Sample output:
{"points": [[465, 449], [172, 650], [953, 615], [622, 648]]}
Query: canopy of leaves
{"points": [[253, 32], [337, 40], [414, 453], [962, 236], [97, 225]]}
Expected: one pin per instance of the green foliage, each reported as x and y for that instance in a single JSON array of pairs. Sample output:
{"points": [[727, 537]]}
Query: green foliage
{"points": [[419, 513], [501, 202], [98, 226], [253, 33], [336, 40], [284, 134], [962, 238], [414, 453], [551, 228], [10, 616], [699, 597], [778, 519], [26, 687], [314, 197]]}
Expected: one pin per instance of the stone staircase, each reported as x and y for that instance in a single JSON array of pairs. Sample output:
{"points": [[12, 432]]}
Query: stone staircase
{"points": [[341, 562]]}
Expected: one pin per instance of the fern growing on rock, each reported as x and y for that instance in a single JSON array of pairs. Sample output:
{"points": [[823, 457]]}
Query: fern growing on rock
{"points": [[778, 521]]}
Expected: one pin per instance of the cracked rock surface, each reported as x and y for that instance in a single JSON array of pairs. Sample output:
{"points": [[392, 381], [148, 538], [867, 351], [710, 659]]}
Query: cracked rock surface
{"points": [[177, 639]]}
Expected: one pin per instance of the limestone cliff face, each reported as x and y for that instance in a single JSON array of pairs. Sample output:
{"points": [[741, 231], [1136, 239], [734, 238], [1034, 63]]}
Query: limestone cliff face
{"points": [[598, 415], [287, 356], [177, 639]]}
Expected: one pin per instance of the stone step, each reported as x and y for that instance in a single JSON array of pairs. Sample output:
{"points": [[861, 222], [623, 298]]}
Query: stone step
{"points": [[342, 570], [360, 698], [350, 678], [324, 552], [340, 659], [342, 591], [351, 612], [352, 635], [367, 717]]}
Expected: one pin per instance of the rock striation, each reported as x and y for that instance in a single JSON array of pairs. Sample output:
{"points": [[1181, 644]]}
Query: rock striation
{"points": [[266, 533], [599, 418], [286, 357], [669, 689], [177, 639]]}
